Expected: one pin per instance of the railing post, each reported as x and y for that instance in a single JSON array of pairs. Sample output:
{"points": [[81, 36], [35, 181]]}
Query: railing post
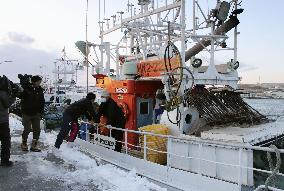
{"points": [[240, 168], [126, 142], [168, 153], [199, 157], [145, 146], [87, 133]]}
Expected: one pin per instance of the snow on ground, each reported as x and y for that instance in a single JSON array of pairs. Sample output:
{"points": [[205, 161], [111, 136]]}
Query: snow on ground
{"points": [[74, 167]]}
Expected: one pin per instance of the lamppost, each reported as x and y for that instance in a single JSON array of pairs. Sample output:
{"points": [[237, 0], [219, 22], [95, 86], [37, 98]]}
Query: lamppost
{"points": [[5, 61]]}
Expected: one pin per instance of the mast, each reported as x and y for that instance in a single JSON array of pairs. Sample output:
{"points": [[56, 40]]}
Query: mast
{"points": [[236, 37], [86, 57]]}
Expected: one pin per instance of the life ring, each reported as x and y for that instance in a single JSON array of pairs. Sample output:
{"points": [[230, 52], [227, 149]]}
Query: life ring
{"points": [[124, 108]]}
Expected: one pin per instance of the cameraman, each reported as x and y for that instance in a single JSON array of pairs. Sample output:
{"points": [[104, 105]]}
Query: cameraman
{"points": [[32, 104], [6, 100]]}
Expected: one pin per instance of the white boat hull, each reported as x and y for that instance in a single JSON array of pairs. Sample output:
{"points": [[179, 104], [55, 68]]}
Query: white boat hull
{"points": [[169, 176]]}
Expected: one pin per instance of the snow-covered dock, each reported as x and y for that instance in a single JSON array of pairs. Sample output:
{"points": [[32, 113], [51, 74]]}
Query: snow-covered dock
{"points": [[64, 169]]}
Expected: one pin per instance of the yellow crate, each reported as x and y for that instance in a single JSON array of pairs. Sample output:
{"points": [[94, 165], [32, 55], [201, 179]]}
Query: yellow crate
{"points": [[155, 144]]}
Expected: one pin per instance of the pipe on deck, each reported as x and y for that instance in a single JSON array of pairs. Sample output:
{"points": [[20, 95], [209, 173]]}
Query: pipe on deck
{"points": [[224, 28]]}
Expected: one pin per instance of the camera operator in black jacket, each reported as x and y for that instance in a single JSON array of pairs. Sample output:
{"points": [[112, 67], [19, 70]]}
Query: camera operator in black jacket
{"points": [[32, 105], [6, 100]]}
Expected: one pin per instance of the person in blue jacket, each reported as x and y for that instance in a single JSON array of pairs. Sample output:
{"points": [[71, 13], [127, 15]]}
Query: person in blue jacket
{"points": [[83, 107]]}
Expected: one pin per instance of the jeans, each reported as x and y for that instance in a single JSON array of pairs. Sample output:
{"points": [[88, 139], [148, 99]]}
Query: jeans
{"points": [[65, 129]]}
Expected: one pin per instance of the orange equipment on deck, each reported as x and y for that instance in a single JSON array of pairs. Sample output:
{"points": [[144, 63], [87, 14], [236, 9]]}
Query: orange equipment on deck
{"points": [[136, 98], [154, 68]]}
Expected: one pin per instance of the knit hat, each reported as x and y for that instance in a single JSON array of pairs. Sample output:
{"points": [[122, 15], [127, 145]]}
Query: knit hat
{"points": [[105, 93], [91, 96], [36, 78]]}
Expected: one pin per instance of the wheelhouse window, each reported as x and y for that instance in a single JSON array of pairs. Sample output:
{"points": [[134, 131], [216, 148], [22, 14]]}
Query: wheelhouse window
{"points": [[144, 108]]}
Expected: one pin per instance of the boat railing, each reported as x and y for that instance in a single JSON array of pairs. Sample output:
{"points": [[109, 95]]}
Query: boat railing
{"points": [[192, 140]]}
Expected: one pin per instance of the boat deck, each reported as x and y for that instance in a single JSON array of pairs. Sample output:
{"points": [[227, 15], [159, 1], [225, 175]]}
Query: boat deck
{"points": [[251, 135]]}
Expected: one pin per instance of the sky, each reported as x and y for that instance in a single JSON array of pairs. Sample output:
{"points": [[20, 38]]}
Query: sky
{"points": [[34, 32]]}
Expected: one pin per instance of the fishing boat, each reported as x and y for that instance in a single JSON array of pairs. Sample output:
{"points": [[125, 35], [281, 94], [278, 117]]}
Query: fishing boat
{"points": [[187, 126], [62, 89]]}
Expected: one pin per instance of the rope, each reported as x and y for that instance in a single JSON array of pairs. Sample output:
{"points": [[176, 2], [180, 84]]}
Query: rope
{"points": [[178, 117], [275, 170], [175, 100], [167, 53]]}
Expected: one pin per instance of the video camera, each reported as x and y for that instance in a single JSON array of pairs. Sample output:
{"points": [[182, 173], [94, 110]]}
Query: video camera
{"points": [[25, 80], [10, 87]]}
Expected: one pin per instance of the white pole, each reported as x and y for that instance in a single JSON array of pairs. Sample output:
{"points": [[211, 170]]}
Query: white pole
{"points": [[182, 32], [126, 142], [117, 62], [199, 156], [99, 11], [86, 56], [104, 8], [87, 133], [193, 16], [169, 159], [145, 147], [212, 46], [236, 37], [107, 49], [182, 17], [240, 169], [102, 46]]}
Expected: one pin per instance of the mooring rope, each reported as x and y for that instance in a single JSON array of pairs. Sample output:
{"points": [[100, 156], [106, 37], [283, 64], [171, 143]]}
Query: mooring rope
{"points": [[275, 170]]}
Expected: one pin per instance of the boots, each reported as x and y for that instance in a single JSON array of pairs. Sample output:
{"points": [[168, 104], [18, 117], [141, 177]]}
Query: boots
{"points": [[24, 145], [34, 146]]}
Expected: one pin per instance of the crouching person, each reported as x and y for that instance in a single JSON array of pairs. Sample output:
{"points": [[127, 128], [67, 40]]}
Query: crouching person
{"points": [[32, 105], [70, 118], [114, 116], [6, 101]]}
